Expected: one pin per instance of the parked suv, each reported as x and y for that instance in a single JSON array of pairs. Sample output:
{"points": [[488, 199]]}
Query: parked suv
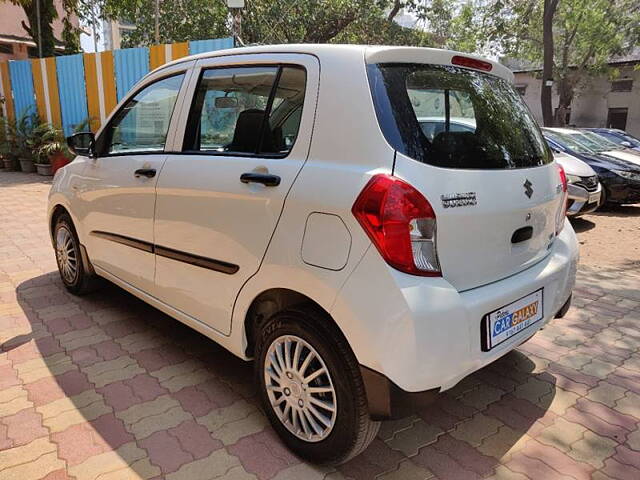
{"points": [[285, 202]]}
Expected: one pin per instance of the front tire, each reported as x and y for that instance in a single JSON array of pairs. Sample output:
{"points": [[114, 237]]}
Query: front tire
{"points": [[73, 271], [311, 388]]}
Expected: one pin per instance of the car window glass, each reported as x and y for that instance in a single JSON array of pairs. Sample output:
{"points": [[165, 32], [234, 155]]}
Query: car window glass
{"points": [[231, 104], [284, 119], [611, 137], [632, 140], [455, 117], [142, 124], [602, 142], [568, 142]]}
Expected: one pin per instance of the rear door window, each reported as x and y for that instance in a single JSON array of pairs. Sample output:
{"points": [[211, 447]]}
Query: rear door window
{"points": [[246, 110], [455, 118]]}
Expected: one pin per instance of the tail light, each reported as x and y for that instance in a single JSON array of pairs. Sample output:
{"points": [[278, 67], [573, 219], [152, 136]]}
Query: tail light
{"points": [[562, 211], [401, 224]]}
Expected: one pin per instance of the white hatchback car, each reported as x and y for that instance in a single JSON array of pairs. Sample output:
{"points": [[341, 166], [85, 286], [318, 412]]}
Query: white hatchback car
{"points": [[285, 202]]}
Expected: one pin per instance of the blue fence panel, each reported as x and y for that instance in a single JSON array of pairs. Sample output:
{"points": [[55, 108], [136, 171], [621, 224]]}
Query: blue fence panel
{"points": [[131, 64], [200, 46], [72, 90], [24, 99]]}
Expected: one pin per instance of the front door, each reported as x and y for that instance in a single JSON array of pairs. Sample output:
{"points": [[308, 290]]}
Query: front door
{"points": [[219, 200], [118, 192]]}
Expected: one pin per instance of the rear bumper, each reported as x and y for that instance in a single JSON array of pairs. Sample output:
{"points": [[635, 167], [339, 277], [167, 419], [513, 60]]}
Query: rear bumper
{"points": [[423, 335], [387, 401]]}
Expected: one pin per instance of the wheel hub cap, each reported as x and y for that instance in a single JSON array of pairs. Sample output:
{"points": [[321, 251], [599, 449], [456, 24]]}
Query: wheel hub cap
{"points": [[300, 388], [66, 255]]}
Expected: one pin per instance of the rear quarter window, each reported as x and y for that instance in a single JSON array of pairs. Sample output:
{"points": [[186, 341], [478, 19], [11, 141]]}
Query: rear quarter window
{"points": [[455, 118]]}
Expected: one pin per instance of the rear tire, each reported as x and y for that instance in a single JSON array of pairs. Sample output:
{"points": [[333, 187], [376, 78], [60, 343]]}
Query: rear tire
{"points": [[73, 271], [338, 404]]}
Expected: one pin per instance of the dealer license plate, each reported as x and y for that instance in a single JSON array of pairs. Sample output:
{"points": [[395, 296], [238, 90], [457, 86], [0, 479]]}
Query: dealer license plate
{"points": [[505, 322]]}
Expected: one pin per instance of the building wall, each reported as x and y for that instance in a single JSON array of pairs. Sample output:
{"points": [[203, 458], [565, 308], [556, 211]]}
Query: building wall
{"points": [[11, 18], [592, 102]]}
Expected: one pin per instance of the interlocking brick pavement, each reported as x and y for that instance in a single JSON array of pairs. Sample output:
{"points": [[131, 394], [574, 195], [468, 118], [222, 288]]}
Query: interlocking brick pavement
{"points": [[107, 387]]}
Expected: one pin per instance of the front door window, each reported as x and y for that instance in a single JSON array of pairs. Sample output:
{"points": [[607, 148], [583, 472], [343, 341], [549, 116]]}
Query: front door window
{"points": [[141, 126]]}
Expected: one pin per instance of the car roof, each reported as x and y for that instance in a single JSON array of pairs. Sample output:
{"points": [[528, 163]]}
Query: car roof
{"points": [[371, 54]]}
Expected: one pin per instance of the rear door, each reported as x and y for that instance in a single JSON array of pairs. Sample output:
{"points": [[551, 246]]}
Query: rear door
{"points": [[494, 188], [220, 195]]}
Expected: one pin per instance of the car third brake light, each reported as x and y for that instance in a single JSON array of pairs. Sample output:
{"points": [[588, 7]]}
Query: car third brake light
{"points": [[471, 62]]}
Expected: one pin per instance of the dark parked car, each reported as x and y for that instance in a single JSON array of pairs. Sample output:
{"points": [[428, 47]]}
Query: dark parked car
{"points": [[620, 137], [620, 178]]}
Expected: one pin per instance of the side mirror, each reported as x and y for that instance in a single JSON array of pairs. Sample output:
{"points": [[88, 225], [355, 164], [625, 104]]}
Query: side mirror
{"points": [[626, 144], [82, 143]]}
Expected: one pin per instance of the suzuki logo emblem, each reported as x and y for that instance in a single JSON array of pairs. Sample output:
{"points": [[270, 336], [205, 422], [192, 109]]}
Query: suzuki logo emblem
{"points": [[527, 188]]}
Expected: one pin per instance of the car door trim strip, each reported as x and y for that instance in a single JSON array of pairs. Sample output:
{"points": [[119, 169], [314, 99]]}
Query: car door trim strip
{"points": [[197, 260], [128, 241]]}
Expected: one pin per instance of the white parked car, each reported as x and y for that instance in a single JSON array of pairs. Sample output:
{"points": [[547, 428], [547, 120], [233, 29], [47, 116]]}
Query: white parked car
{"points": [[284, 201], [584, 191]]}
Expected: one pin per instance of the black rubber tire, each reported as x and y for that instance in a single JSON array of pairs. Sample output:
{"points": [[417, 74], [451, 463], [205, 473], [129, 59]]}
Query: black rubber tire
{"points": [[353, 430], [83, 282]]}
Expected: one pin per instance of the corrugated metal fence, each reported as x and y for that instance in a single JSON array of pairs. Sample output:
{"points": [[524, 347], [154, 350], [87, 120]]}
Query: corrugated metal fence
{"points": [[69, 90]]}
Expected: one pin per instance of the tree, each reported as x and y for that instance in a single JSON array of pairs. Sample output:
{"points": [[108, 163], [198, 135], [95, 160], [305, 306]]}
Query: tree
{"points": [[548, 12], [586, 34], [266, 21], [40, 16], [39, 26], [179, 21]]}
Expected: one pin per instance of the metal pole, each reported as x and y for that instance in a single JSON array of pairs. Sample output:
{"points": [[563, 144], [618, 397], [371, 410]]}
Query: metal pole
{"points": [[39, 29], [157, 21], [94, 28]]}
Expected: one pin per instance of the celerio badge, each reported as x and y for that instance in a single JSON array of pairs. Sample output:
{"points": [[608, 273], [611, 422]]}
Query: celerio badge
{"points": [[452, 200]]}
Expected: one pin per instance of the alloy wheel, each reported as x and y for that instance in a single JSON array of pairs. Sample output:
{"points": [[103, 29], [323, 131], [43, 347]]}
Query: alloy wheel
{"points": [[300, 388], [66, 254]]}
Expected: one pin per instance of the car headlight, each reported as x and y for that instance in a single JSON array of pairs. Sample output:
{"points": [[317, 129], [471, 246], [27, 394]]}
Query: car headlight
{"points": [[628, 175], [573, 179]]}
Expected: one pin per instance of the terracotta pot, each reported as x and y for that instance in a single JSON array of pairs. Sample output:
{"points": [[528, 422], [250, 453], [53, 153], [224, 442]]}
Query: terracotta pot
{"points": [[44, 169], [58, 160], [27, 165]]}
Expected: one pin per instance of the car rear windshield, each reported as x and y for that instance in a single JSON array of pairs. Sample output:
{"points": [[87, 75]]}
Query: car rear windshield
{"points": [[455, 117]]}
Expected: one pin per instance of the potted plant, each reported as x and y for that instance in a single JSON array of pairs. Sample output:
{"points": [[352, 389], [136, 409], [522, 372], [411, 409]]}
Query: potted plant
{"points": [[26, 139], [53, 152], [8, 145]]}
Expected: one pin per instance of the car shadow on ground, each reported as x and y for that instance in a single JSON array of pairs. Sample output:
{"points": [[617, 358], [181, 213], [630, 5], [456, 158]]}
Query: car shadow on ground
{"points": [[618, 211], [109, 352], [581, 224]]}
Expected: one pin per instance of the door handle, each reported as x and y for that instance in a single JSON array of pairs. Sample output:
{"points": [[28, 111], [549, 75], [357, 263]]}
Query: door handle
{"points": [[145, 172], [267, 179]]}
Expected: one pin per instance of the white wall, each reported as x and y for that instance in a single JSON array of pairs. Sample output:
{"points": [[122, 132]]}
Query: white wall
{"points": [[592, 102]]}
